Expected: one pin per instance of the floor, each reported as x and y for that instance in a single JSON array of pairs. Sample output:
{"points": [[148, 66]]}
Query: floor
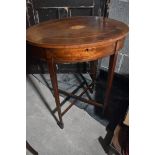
{"points": [[81, 135]]}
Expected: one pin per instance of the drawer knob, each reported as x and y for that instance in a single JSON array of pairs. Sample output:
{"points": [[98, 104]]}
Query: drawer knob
{"points": [[88, 49]]}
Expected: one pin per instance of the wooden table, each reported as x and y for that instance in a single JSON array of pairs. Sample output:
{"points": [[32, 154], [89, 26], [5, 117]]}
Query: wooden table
{"points": [[77, 39]]}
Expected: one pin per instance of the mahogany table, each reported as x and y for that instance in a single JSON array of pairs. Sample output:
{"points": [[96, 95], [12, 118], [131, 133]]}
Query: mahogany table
{"points": [[77, 39]]}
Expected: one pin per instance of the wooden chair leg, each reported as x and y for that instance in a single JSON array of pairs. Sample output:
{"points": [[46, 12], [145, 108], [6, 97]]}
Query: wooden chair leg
{"points": [[112, 64], [53, 75]]}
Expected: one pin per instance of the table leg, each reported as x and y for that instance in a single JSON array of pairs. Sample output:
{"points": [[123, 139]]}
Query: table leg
{"points": [[53, 75], [93, 71], [112, 64]]}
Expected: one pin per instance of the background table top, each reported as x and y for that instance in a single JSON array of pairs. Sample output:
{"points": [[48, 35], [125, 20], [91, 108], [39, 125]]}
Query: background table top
{"points": [[76, 32]]}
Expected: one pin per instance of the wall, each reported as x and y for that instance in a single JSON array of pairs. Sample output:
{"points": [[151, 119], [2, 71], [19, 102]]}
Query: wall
{"points": [[42, 10], [119, 10]]}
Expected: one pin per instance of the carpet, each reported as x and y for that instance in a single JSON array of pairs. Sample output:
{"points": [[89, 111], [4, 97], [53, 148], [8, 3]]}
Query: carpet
{"points": [[79, 136]]}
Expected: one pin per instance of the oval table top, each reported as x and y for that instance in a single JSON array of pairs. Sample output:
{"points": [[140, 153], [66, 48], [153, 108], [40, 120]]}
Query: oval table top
{"points": [[76, 32]]}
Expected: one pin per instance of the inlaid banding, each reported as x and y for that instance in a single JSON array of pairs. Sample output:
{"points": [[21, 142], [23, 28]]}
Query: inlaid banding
{"points": [[77, 27]]}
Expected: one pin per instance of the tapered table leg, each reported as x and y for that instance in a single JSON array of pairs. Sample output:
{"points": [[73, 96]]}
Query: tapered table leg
{"points": [[112, 64], [93, 70], [53, 75]]}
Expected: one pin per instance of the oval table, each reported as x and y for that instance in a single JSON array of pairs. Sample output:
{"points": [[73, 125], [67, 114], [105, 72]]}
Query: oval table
{"points": [[77, 39]]}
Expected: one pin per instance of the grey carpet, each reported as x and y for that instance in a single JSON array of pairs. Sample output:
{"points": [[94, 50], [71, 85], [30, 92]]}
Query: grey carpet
{"points": [[69, 82], [79, 136]]}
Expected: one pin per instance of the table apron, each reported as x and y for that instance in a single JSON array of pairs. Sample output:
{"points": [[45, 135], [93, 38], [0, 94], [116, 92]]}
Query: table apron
{"points": [[73, 55]]}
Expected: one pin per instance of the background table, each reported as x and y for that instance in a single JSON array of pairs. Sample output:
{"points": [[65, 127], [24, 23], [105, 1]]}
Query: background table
{"points": [[77, 39]]}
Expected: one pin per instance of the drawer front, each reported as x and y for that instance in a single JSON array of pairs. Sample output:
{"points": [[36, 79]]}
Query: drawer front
{"points": [[83, 54]]}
